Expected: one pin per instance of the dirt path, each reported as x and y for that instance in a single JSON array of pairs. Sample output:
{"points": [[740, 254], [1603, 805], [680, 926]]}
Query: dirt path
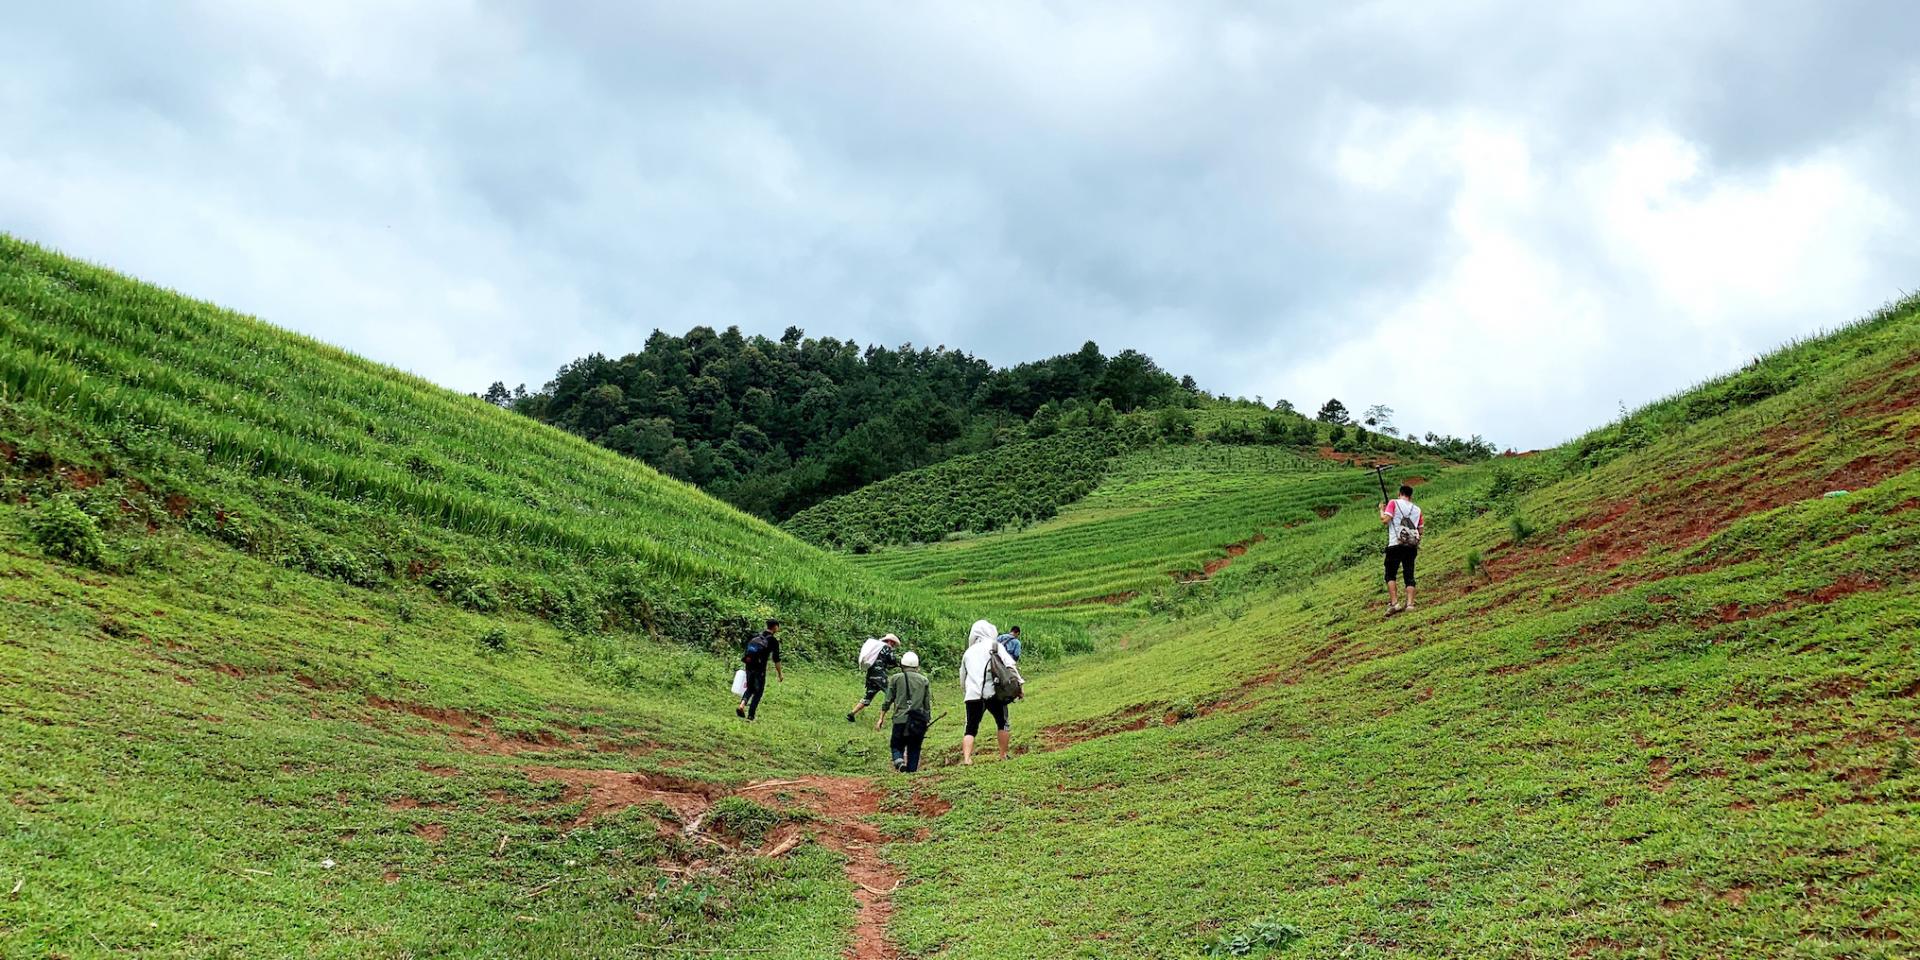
{"points": [[841, 806]]}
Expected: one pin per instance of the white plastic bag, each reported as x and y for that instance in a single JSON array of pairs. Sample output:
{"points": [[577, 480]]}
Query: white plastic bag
{"points": [[740, 682]]}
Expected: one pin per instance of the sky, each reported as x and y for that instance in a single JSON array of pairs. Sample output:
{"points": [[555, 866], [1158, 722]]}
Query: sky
{"points": [[1507, 219]]}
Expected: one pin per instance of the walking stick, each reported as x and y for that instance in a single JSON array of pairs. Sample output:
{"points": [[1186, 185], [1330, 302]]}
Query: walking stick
{"points": [[1380, 474]]}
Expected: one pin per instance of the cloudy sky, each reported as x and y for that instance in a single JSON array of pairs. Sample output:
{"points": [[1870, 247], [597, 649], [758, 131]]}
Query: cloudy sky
{"points": [[1498, 218]]}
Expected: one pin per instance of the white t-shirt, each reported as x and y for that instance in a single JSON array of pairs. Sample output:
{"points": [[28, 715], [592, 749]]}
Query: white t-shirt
{"points": [[1402, 507]]}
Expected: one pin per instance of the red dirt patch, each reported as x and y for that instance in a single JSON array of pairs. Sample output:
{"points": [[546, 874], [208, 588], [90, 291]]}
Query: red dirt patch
{"points": [[177, 505], [1325, 511], [610, 791], [1061, 735], [439, 771], [1234, 551], [79, 478], [929, 805], [1657, 770], [431, 832], [230, 670], [1736, 894], [473, 731]]}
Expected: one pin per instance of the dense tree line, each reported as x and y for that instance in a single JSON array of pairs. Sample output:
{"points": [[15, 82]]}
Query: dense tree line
{"points": [[774, 426]]}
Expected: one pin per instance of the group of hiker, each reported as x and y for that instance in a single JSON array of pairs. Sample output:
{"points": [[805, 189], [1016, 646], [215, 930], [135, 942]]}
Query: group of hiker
{"points": [[989, 676], [989, 668]]}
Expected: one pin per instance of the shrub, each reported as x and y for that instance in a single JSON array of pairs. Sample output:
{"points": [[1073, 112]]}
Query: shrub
{"points": [[494, 640], [65, 531], [1476, 565], [1521, 529], [1175, 423]]}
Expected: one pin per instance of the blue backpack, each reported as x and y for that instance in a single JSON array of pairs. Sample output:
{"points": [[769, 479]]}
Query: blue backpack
{"points": [[756, 653]]}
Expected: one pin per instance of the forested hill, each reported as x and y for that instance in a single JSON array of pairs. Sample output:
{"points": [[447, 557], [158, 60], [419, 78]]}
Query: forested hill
{"points": [[774, 426]]}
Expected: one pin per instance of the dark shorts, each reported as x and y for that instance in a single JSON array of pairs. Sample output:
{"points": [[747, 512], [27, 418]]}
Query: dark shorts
{"points": [[978, 708], [1398, 556], [873, 689]]}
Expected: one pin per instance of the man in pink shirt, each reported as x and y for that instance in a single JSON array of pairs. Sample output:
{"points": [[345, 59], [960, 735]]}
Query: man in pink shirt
{"points": [[1405, 524]]}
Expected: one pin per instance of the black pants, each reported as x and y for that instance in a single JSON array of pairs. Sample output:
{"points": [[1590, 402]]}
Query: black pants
{"points": [[907, 749], [978, 708], [756, 687], [1398, 555]]}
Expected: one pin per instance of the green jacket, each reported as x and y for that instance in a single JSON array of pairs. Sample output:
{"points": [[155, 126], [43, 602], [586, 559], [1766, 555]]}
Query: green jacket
{"points": [[908, 692]]}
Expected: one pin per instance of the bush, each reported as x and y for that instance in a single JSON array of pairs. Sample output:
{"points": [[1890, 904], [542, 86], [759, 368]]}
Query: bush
{"points": [[1521, 529], [1175, 424], [494, 640], [65, 531], [1476, 564]]}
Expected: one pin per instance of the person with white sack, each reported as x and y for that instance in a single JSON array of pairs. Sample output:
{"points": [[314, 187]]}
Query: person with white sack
{"points": [[877, 658], [990, 680]]}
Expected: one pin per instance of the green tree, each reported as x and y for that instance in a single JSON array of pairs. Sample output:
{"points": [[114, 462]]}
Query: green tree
{"points": [[1175, 424], [1333, 411], [1045, 422], [1103, 416]]}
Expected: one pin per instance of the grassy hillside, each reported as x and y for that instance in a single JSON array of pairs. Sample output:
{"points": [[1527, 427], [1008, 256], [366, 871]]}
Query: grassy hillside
{"points": [[1671, 713], [1156, 531], [303, 656]]}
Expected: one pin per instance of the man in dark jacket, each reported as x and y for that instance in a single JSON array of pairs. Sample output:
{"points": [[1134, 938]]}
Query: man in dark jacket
{"points": [[879, 659], [763, 649], [910, 698]]}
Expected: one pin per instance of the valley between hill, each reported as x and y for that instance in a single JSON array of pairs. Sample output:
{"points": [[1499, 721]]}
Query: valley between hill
{"points": [[300, 656]]}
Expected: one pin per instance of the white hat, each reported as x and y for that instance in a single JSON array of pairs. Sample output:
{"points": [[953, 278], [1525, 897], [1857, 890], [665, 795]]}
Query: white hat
{"points": [[910, 660]]}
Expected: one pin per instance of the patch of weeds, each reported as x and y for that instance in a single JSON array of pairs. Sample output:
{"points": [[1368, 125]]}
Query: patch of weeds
{"points": [[1476, 564], [1260, 937], [1902, 763], [65, 531], [744, 820], [1184, 710], [494, 640]]}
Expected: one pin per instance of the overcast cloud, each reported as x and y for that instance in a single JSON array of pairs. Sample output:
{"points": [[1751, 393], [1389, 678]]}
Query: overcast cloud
{"points": [[1498, 218]]}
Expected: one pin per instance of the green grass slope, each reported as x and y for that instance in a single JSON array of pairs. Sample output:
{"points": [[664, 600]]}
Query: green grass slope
{"points": [[300, 656], [1672, 713], [1160, 527]]}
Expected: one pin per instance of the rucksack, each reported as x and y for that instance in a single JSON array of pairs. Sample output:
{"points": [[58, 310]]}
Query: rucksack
{"points": [[1407, 533], [1007, 683], [756, 652]]}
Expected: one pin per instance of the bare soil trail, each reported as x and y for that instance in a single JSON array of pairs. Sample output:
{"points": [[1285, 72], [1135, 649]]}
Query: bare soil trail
{"points": [[839, 808]]}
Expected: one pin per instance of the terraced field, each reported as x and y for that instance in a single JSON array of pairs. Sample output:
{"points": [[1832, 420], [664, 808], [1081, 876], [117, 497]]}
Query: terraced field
{"points": [[1161, 522]]}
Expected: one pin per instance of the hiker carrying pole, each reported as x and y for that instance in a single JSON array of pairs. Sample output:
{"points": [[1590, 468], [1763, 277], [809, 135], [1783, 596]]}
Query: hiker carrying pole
{"points": [[1405, 524], [910, 700]]}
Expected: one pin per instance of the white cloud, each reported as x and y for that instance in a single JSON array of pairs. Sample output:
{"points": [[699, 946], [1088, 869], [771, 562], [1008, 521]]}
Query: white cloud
{"points": [[1263, 198], [1691, 274]]}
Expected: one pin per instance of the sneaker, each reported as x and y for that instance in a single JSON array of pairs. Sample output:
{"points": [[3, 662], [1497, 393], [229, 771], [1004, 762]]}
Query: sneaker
{"points": [[849, 718], [740, 711], [899, 765]]}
